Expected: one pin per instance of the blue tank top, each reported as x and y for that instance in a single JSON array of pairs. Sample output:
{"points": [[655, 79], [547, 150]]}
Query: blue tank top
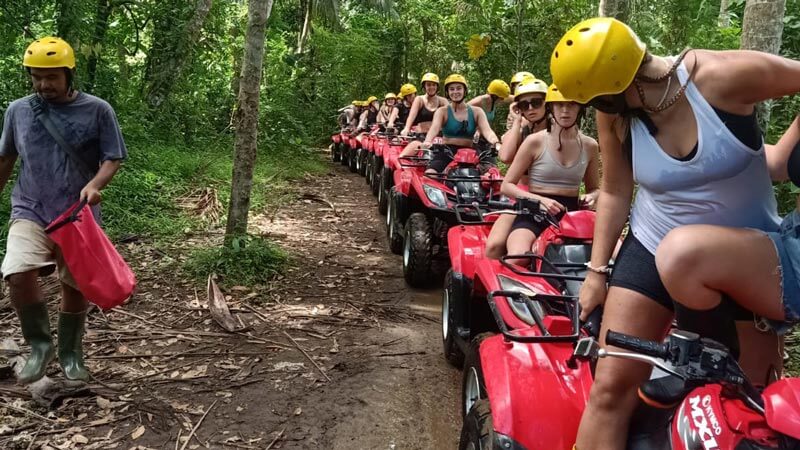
{"points": [[490, 114], [726, 183], [455, 128]]}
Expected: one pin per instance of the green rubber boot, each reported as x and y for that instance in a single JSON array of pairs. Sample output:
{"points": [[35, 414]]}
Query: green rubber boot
{"points": [[35, 325], [70, 345]]}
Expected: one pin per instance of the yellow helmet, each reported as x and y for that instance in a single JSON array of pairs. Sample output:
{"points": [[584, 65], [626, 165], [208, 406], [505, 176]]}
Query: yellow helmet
{"points": [[455, 78], [596, 57], [371, 99], [49, 53], [499, 88], [520, 76], [430, 77], [355, 103], [555, 95], [390, 95], [406, 89], [531, 86]]}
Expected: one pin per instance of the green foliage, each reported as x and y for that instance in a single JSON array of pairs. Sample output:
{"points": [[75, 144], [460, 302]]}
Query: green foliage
{"points": [[247, 260]]}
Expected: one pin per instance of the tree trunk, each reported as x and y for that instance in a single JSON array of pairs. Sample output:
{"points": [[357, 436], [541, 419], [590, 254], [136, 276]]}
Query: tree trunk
{"points": [[169, 52], [100, 29], [617, 9], [246, 141], [724, 20], [69, 22], [762, 29], [301, 39]]}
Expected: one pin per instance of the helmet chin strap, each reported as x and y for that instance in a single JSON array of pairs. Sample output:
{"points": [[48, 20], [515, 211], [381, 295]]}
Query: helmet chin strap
{"points": [[563, 129]]}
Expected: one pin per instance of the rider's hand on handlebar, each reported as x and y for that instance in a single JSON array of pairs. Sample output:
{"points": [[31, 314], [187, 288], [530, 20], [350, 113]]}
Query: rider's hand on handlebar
{"points": [[551, 206], [593, 293], [590, 200], [404, 132]]}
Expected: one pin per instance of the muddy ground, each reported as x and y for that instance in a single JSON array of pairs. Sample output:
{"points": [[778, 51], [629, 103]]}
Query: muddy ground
{"points": [[337, 354]]}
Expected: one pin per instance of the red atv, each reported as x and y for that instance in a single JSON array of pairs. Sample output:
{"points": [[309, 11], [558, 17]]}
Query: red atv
{"points": [[377, 138], [422, 207], [391, 151], [705, 401], [336, 146], [514, 327], [375, 164]]}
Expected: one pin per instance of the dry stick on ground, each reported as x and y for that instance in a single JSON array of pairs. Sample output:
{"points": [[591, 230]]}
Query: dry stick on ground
{"points": [[320, 199], [33, 439], [308, 356], [25, 411], [280, 435], [199, 422]]}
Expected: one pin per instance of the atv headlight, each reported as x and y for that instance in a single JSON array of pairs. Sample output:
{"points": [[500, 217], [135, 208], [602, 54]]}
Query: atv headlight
{"points": [[436, 196], [520, 307]]}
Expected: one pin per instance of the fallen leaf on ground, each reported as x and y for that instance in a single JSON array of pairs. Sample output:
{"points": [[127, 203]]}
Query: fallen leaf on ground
{"points": [[137, 433]]}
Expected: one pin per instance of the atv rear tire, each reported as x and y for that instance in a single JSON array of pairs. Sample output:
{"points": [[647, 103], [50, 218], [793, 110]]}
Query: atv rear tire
{"points": [[453, 315], [335, 152], [417, 245], [477, 433], [386, 182], [368, 168], [473, 385], [394, 226], [375, 178], [351, 160], [362, 161]]}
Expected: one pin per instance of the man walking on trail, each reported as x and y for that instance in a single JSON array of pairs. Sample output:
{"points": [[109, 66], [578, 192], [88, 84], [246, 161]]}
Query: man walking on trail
{"points": [[70, 146]]}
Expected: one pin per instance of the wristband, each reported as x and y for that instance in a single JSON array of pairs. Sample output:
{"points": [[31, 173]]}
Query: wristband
{"points": [[603, 270]]}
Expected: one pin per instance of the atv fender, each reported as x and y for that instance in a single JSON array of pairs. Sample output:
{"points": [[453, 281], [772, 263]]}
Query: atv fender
{"points": [[402, 181], [466, 244], [536, 399]]}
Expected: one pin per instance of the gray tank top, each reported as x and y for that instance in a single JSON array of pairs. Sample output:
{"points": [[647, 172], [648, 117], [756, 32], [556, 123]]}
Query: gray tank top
{"points": [[546, 172], [726, 183]]}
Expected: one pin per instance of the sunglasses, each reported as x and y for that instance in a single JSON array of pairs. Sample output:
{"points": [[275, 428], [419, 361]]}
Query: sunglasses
{"points": [[535, 103]]}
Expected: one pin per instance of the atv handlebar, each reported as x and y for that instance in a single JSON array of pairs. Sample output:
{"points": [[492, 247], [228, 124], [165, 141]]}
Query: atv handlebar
{"points": [[637, 345], [695, 360]]}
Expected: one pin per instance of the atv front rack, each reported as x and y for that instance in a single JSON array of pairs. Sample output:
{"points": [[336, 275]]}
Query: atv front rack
{"points": [[413, 161], [569, 302], [557, 274], [465, 210]]}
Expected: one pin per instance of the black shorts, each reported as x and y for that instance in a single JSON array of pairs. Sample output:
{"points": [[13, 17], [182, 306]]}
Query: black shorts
{"points": [[440, 159], [635, 269], [527, 222]]}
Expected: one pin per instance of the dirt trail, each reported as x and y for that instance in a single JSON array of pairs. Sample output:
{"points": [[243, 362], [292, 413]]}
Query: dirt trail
{"points": [[161, 363]]}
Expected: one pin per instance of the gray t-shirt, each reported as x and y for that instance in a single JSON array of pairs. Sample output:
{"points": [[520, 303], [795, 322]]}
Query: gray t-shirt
{"points": [[49, 181]]}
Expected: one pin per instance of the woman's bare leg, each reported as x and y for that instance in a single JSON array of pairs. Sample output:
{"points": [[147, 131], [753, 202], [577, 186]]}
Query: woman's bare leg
{"points": [[700, 263], [498, 235], [520, 241], [604, 424]]}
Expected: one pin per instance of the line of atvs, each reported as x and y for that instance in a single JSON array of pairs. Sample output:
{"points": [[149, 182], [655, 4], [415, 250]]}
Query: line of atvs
{"points": [[513, 324]]}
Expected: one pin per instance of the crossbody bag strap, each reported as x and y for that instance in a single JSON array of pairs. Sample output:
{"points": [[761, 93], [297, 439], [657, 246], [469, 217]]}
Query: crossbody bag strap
{"points": [[41, 114]]}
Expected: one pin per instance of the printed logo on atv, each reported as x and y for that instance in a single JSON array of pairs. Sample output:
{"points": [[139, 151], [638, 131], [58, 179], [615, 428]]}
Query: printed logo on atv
{"points": [[702, 430]]}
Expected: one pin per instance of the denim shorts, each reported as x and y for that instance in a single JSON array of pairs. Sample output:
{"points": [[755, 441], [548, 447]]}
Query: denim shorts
{"points": [[787, 243]]}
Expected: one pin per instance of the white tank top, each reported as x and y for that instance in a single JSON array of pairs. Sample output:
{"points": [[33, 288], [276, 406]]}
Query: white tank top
{"points": [[725, 183]]}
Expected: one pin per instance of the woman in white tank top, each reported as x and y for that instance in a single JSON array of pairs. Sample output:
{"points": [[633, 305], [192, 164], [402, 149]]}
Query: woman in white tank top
{"points": [[557, 160], [691, 168], [530, 117]]}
